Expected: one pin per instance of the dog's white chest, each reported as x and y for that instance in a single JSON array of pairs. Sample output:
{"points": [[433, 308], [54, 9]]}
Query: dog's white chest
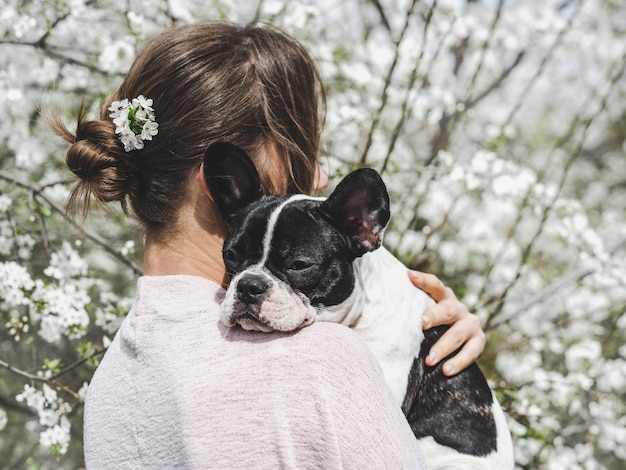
{"points": [[386, 310]]}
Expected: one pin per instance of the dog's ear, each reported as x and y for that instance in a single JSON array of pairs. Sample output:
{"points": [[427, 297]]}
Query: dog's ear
{"points": [[231, 177], [359, 209]]}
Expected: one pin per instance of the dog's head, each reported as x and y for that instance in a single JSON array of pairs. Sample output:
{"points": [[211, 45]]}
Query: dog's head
{"points": [[288, 257]]}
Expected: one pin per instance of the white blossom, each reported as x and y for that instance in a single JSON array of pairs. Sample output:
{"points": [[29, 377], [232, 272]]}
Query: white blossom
{"points": [[66, 263], [134, 121], [61, 310], [7, 238], [15, 281], [3, 419], [52, 412], [82, 391], [5, 202]]}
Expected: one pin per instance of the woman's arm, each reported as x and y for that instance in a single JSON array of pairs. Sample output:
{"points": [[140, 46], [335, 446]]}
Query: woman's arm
{"points": [[465, 329]]}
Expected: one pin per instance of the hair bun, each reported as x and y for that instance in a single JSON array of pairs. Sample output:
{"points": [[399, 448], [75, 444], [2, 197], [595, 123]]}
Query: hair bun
{"points": [[97, 159]]}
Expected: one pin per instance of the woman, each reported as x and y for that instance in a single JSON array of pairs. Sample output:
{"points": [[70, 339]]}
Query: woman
{"points": [[177, 389]]}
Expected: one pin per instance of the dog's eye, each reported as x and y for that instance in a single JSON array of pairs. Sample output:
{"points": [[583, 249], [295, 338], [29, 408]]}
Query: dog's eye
{"points": [[231, 260], [300, 265], [229, 255]]}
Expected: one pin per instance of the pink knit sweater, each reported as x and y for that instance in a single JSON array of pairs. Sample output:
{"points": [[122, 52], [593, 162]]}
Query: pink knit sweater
{"points": [[177, 390]]}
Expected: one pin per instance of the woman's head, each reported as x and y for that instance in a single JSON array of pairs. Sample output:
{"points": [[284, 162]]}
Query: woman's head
{"points": [[251, 86]]}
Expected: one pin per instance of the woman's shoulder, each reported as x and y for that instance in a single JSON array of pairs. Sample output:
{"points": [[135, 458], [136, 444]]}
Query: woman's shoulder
{"points": [[329, 335], [329, 346]]}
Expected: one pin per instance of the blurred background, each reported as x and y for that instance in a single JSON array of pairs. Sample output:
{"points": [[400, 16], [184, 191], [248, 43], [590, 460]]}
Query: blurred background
{"points": [[498, 126]]}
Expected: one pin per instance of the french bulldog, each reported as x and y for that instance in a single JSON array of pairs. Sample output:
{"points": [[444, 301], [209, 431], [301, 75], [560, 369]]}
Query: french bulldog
{"points": [[297, 259]]}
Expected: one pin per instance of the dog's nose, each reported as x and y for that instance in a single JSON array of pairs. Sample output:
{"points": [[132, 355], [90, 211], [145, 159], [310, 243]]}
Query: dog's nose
{"points": [[250, 289]]}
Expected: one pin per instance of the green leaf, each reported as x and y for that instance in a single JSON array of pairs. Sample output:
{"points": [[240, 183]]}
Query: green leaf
{"points": [[52, 364]]}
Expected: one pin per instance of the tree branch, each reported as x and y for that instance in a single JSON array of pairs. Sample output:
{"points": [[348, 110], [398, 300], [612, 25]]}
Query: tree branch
{"points": [[52, 379], [447, 122], [385, 93], [586, 123], [404, 112], [38, 193], [548, 291]]}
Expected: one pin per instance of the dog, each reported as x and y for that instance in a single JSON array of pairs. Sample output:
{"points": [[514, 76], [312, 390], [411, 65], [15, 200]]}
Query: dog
{"points": [[297, 259]]}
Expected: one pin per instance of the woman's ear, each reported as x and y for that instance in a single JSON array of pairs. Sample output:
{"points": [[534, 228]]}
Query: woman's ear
{"points": [[321, 181], [205, 187]]}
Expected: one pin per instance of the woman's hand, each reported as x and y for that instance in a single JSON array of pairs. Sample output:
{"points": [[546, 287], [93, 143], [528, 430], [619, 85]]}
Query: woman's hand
{"points": [[465, 329]]}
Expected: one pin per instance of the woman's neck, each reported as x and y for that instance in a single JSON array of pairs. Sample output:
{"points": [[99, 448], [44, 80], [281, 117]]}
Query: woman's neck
{"points": [[195, 248], [184, 256]]}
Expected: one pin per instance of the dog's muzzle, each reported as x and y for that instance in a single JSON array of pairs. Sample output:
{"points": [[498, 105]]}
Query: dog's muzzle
{"points": [[258, 301]]}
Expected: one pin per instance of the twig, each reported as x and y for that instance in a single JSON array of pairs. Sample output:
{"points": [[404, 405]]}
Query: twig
{"points": [[507, 121], [77, 363], [447, 122], [388, 78], [21, 373], [412, 79], [546, 292], [558, 284], [52, 379], [257, 12], [486, 43], [42, 44], [586, 123], [383, 15], [529, 84], [88, 234]]}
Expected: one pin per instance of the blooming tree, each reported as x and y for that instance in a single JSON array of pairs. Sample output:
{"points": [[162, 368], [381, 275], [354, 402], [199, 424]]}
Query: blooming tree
{"points": [[498, 126]]}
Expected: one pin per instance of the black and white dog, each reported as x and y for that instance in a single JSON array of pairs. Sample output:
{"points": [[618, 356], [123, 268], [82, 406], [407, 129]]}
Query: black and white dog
{"points": [[298, 259]]}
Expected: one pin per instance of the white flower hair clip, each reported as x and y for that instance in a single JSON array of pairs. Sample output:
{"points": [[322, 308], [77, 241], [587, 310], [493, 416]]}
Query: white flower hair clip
{"points": [[135, 121]]}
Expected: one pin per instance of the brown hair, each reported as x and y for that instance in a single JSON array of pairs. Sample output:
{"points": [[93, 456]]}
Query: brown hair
{"points": [[252, 86]]}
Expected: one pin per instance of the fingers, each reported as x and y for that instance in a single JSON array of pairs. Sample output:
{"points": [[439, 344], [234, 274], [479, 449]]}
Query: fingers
{"points": [[430, 284], [467, 333], [447, 312]]}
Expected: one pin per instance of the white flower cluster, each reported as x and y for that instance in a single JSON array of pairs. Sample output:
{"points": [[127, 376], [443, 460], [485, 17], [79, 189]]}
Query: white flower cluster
{"points": [[7, 240], [5, 202], [10, 239], [66, 264], [61, 310], [17, 326], [15, 282], [11, 242], [59, 307], [135, 121], [110, 317], [52, 411]]}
